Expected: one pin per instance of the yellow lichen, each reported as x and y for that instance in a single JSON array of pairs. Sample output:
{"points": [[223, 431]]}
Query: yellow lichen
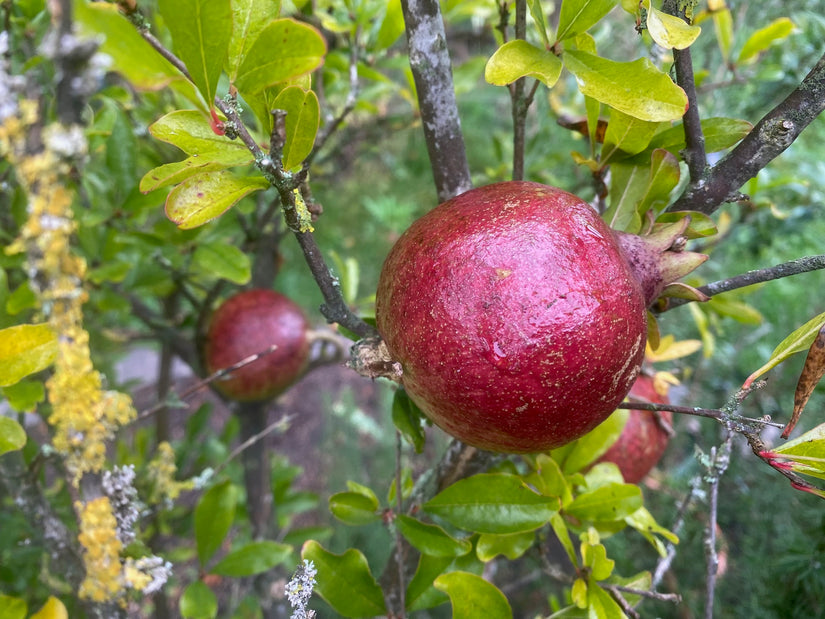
{"points": [[161, 471], [101, 555]]}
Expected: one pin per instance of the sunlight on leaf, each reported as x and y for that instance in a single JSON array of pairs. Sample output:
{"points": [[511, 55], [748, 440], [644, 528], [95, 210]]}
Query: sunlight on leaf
{"points": [[24, 350]]}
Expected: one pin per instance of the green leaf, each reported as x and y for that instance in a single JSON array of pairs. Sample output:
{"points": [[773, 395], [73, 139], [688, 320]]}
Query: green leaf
{"points": [[21, 299], [224, 261], [519, 58], [133, 57], [627, 184], [353, 508], [606, 503], [254, 558], [12, 436], [664, 176], [345, 581], [600, 603], [798, 341], [420, 592], [594, 556], [578, 16], [177, 172], [550, 480], [204, 197], [670, 31], [559, 526], [284, 49], [198, 602], [214, 514], [392, 26], [511, 546], [627, 133], [121, 155], [471, 596], [537, 13], [588, 448], [249, 17], [25, 395], [12, 607], [492, 503], [24, 350], [200, 32], [739, 311], [806, 453], [431, 539], [303, 117], [700, 224], [763, 38], [720, 134], [190, 131], [644, 522], [636, 88], [112, 271], [408, 418], [723, 24]]}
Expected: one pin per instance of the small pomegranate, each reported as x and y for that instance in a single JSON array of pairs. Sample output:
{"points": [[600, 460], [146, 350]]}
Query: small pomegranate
{"points": [[517, 318], [249, 323], [645, 436]]}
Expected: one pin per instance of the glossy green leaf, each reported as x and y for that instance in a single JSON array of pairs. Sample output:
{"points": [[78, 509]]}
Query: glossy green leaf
{"points": [[798, 341], [512, 545], [519, 58], [550, 479], [606, 503], [670, 31], [303, 117], [191, 132], [353, 508], [12, 607], [421, 594], [204, 197], [345, 581], [594, 557], [636, 88], [224, 261], [700, 225], [392, 26], [249, 18], [663, 179], [628, 180], [200, 32], [806, 453], [12, 435], [431, 539], [537, 13], [133, 56], [644, 522], [602, 474], [408, 418], [578, 16], [492, 503], [178, 171], [559, 526], [763, 38], [214, 515], [720, 134], [254, 558], [283, 50], [198, 602], [24, 350], [25, 395], [588, 448], [627, 134], [471, 596], [600, 604]]}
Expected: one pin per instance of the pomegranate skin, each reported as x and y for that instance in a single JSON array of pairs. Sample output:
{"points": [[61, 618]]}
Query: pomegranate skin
{"points": [[248, 323], [517, 321], [643, 440]]}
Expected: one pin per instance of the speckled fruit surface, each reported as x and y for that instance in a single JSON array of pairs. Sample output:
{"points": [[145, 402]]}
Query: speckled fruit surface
{"points": [[248, 323], [643, 440], [517, 320]]}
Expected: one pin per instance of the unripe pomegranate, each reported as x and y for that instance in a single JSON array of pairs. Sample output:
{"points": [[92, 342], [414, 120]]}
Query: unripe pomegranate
{"points": [[249, 323], [645, 436], [518, 321]]}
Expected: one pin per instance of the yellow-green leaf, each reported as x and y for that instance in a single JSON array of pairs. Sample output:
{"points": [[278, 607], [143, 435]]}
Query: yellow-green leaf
{"points": [[519, 58], [636, 88], [723, 23], [471, 596], [204, 197], [670, 31], [24, 350], [763, 38], [52, 609], [249, 17], [303, 116], [578, 16], [12, 435], [190, 131]]}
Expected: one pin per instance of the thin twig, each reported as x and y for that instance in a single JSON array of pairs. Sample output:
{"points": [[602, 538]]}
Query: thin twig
{"points": [[719, 460], [712, 413], [758, 276], [280, 426]]}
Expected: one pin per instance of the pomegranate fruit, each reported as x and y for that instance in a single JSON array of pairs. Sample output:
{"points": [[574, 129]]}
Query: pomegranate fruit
{"points": [[249, 323], [517, 319], [645, 437]]}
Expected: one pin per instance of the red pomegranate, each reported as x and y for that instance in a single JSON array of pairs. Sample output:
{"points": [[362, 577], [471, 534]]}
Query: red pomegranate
{"points": [[644, 438], [249, 323], [516, 315]]}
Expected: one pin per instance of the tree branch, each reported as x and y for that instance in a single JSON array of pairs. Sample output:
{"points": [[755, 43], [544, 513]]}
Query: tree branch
{"points": [[432, 72], [769, 138]]}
